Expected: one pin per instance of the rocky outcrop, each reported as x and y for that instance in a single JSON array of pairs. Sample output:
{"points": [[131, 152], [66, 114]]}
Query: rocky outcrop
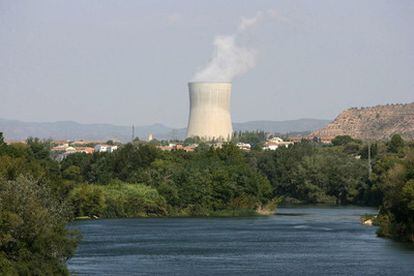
{"points": [[378, 122]]}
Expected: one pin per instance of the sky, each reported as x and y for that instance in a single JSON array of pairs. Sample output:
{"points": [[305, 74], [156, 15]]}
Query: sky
{"points": [[129, 62]]}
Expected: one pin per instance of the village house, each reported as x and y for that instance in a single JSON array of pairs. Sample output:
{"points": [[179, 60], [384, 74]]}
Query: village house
{"points": [[275, 143], [244, 146], [105, 148], [171, 146]]}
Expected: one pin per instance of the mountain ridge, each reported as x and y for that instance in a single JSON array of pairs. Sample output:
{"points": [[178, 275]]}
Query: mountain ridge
{"points": [[71, 130]]}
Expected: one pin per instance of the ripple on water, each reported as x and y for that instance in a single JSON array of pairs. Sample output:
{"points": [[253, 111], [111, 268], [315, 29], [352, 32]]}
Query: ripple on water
{"points": [[312, 241]]}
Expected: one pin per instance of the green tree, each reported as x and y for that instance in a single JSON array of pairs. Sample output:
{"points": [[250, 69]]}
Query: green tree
{"points": [[88, 200], [38, 149], [396, 218], [396, 143], [342, 140], [72, 173], [33, 236]]}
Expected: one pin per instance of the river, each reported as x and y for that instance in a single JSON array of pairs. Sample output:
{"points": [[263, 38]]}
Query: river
{"points": [[296, 241]]}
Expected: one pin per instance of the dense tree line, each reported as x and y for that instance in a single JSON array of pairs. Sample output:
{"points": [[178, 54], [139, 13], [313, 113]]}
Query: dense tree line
{"points": [[33, 212], [208, 181], [393, 177], [39, 195], [309, 173]]}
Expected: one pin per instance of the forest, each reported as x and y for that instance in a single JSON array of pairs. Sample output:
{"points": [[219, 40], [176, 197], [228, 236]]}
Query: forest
{"points": [[39, 196]]}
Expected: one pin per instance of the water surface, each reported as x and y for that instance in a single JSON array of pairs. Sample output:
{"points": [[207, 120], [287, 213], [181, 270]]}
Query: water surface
{"points": [[296, 241]]}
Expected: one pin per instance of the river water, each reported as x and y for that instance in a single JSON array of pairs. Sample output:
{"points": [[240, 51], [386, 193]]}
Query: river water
{"points": [[296, 241]]}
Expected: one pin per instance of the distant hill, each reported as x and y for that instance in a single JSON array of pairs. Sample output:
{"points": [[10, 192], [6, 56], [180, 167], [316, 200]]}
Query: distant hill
{"points": [[18, 130], [377, 122], [68, 130], [289, 126]]}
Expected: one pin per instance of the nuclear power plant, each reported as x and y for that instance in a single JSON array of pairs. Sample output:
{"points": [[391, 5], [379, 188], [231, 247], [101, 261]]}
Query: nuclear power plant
{"points": [[210, 117]]}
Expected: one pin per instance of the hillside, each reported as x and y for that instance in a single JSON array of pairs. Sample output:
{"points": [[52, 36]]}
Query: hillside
{"points": [[288, 126], [19, 130], [378, 122]]}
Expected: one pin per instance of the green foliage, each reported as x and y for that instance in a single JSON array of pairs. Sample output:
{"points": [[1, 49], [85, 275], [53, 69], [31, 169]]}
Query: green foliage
{"points": [[342, 140], [314, 174], [408, 195], [154, 142], [33, 237], [278, 166], [352, 148], [396, 180], [3, 145], [88, 200], [192, 140], [396, 143], [38, 149], [373, 148], [199, 183], [117, 200], [72, 173], [209, 181]]}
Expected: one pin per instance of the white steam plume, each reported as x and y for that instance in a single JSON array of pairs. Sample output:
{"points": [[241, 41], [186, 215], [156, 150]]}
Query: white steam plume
{"points": [[230, 59]]}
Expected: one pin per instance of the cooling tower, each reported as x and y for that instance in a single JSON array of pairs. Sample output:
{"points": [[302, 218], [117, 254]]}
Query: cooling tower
{"points": [[210, 111]]}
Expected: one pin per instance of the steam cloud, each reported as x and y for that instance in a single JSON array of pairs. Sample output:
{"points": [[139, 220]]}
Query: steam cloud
{"points": [[230, 59]]}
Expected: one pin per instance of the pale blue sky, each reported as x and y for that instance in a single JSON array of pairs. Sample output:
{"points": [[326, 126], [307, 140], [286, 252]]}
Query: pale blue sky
{"points": [[123, 62]]}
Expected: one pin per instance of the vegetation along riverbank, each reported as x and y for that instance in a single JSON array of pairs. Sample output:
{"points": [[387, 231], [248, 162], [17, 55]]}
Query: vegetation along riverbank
{"points": [[39, 195]]}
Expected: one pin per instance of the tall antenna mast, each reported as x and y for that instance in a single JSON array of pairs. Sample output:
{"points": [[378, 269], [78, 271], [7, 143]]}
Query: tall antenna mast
{"points": [[369, 161], [133, 133]]}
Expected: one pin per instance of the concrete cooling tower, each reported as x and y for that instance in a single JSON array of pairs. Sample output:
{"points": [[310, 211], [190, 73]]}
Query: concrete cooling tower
{"points": [[210, 111]]}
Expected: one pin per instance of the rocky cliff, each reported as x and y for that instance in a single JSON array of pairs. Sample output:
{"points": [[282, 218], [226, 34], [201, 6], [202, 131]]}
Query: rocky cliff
{"points": [[378, 122]]}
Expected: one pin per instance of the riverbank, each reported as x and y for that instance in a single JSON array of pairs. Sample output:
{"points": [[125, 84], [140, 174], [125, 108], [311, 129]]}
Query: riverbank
{"points": [[260, 211]]}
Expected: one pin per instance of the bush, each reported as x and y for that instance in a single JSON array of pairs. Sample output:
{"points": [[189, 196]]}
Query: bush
{"points": [[33, 237], [117, 199], [396, 143]]}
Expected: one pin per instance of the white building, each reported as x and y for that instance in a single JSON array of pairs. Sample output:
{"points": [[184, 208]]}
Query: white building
{"points": [[105, 148], [275, 143], [244, 146]]}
